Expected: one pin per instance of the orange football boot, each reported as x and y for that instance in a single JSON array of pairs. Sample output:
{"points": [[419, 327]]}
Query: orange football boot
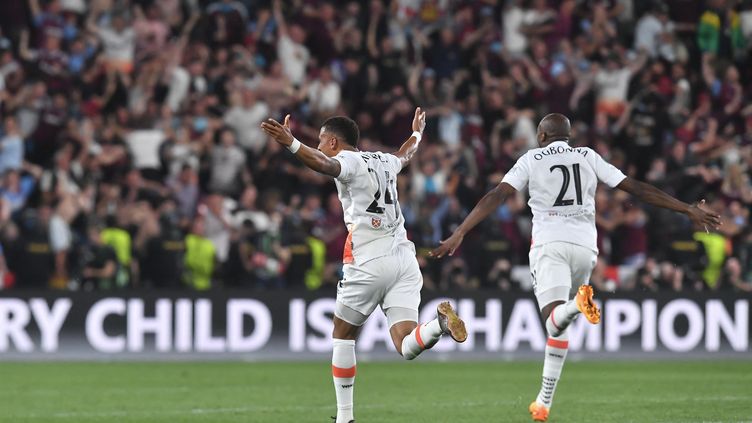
{"points": [[584, 301], [538, 412], [450, 323]]}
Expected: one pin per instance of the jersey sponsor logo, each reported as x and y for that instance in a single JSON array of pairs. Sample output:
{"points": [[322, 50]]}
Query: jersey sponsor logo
{"points": [[375, 222], [551, 151], [577, 213], [392, 225]]}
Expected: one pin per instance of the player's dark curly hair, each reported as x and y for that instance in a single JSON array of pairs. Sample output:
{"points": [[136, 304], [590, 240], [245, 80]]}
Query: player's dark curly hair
{"points": [[344, 128]]}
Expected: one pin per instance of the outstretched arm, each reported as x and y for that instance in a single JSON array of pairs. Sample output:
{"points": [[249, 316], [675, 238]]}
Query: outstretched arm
{"points": [[310, 157], [658, 198], [409, 147], [490, 202]]}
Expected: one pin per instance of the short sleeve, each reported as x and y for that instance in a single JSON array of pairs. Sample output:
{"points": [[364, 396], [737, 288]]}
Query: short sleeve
{"points": [[348, 164], [519, 175], [394, 163], [606, 172]]}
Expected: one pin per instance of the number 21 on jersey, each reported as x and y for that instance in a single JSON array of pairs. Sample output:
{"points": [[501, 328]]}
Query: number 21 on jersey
{"points": [[560, 201]]}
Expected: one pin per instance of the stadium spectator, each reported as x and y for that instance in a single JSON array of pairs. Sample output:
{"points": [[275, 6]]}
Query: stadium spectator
{"points": [[150, 30], [719, 31], [185, 190], [323, 93], [162, 264], [292, 52], [244, 116], [200, 257], [131, 111], [228, 165], [118, 40], [16, 189], [654, 34], [100, 263], [612, 84], [11, 146], [61, 240], [732, 277], [240, 268], [31, 258], [121, 243]]}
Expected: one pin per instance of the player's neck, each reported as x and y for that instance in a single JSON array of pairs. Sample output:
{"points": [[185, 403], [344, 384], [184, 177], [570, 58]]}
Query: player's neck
{"points": [[347, 148], [566, 140]]}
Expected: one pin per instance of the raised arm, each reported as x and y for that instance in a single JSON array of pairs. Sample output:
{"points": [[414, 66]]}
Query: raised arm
{"points": [[488, 204], [91, 20], [34, 8], [409, 147], [658, 198], [708, 72], [638, 63], [312, 158], [279, 17], [23, 47]]}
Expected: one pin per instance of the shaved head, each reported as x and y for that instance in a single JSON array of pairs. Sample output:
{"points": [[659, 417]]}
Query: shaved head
{"points": [[553, 127]]}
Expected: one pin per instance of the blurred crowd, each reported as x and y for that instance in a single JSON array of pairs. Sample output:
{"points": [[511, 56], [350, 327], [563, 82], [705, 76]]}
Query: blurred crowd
{"points": [[131, 153]]}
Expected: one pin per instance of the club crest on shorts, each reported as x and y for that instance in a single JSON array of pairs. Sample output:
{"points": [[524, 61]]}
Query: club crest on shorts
{"points": [[375, 222]]}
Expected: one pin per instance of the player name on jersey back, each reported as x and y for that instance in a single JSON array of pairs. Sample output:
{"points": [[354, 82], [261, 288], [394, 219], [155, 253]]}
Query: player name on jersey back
{"points": [[559, 149], [562, 181], [367, 188]]}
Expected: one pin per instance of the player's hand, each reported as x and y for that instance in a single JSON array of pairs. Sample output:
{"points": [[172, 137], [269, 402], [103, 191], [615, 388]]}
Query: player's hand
{"points": [[419, 121], [281, 133], [448, 246], [703, 218]]}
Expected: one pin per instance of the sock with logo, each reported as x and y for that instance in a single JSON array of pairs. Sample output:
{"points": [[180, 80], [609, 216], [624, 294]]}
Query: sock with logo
{"points": [[556, 353], [343, 373], [561, 317], [421, 338]]}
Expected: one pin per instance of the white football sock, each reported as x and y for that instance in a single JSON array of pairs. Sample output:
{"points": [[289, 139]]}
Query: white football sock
{"points": [[556, 353], [421, 338], [561, 317], [343, 373]]}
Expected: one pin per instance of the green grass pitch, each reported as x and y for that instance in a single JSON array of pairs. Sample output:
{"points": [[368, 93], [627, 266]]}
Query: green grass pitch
{"points": [[706, 391]]}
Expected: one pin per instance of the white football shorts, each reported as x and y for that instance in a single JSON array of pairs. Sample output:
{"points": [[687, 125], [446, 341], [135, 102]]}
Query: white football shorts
{"points": [[555, 266], [393, 282]]}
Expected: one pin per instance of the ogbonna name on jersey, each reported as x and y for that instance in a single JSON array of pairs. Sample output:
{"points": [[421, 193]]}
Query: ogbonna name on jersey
{"points": [[550, 151]]}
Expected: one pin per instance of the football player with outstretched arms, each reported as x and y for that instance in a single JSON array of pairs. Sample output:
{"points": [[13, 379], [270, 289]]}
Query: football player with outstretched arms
{"points": [[379, 264], [561, 181]]}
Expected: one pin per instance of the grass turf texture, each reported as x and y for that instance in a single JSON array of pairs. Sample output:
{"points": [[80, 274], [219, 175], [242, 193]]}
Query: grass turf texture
{"points": [[384, 392]]}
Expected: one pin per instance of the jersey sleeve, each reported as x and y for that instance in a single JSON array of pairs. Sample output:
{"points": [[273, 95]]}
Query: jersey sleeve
{"points": [[606, 172], [519, 175], [348, 164], [394, 163]]}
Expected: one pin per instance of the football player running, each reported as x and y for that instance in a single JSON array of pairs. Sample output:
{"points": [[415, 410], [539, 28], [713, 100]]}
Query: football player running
{"points": [[380, 268], [561, 181]]}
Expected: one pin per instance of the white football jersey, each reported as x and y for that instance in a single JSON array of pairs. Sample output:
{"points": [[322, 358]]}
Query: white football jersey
{"points": [[562, 182], [367, 188]]}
